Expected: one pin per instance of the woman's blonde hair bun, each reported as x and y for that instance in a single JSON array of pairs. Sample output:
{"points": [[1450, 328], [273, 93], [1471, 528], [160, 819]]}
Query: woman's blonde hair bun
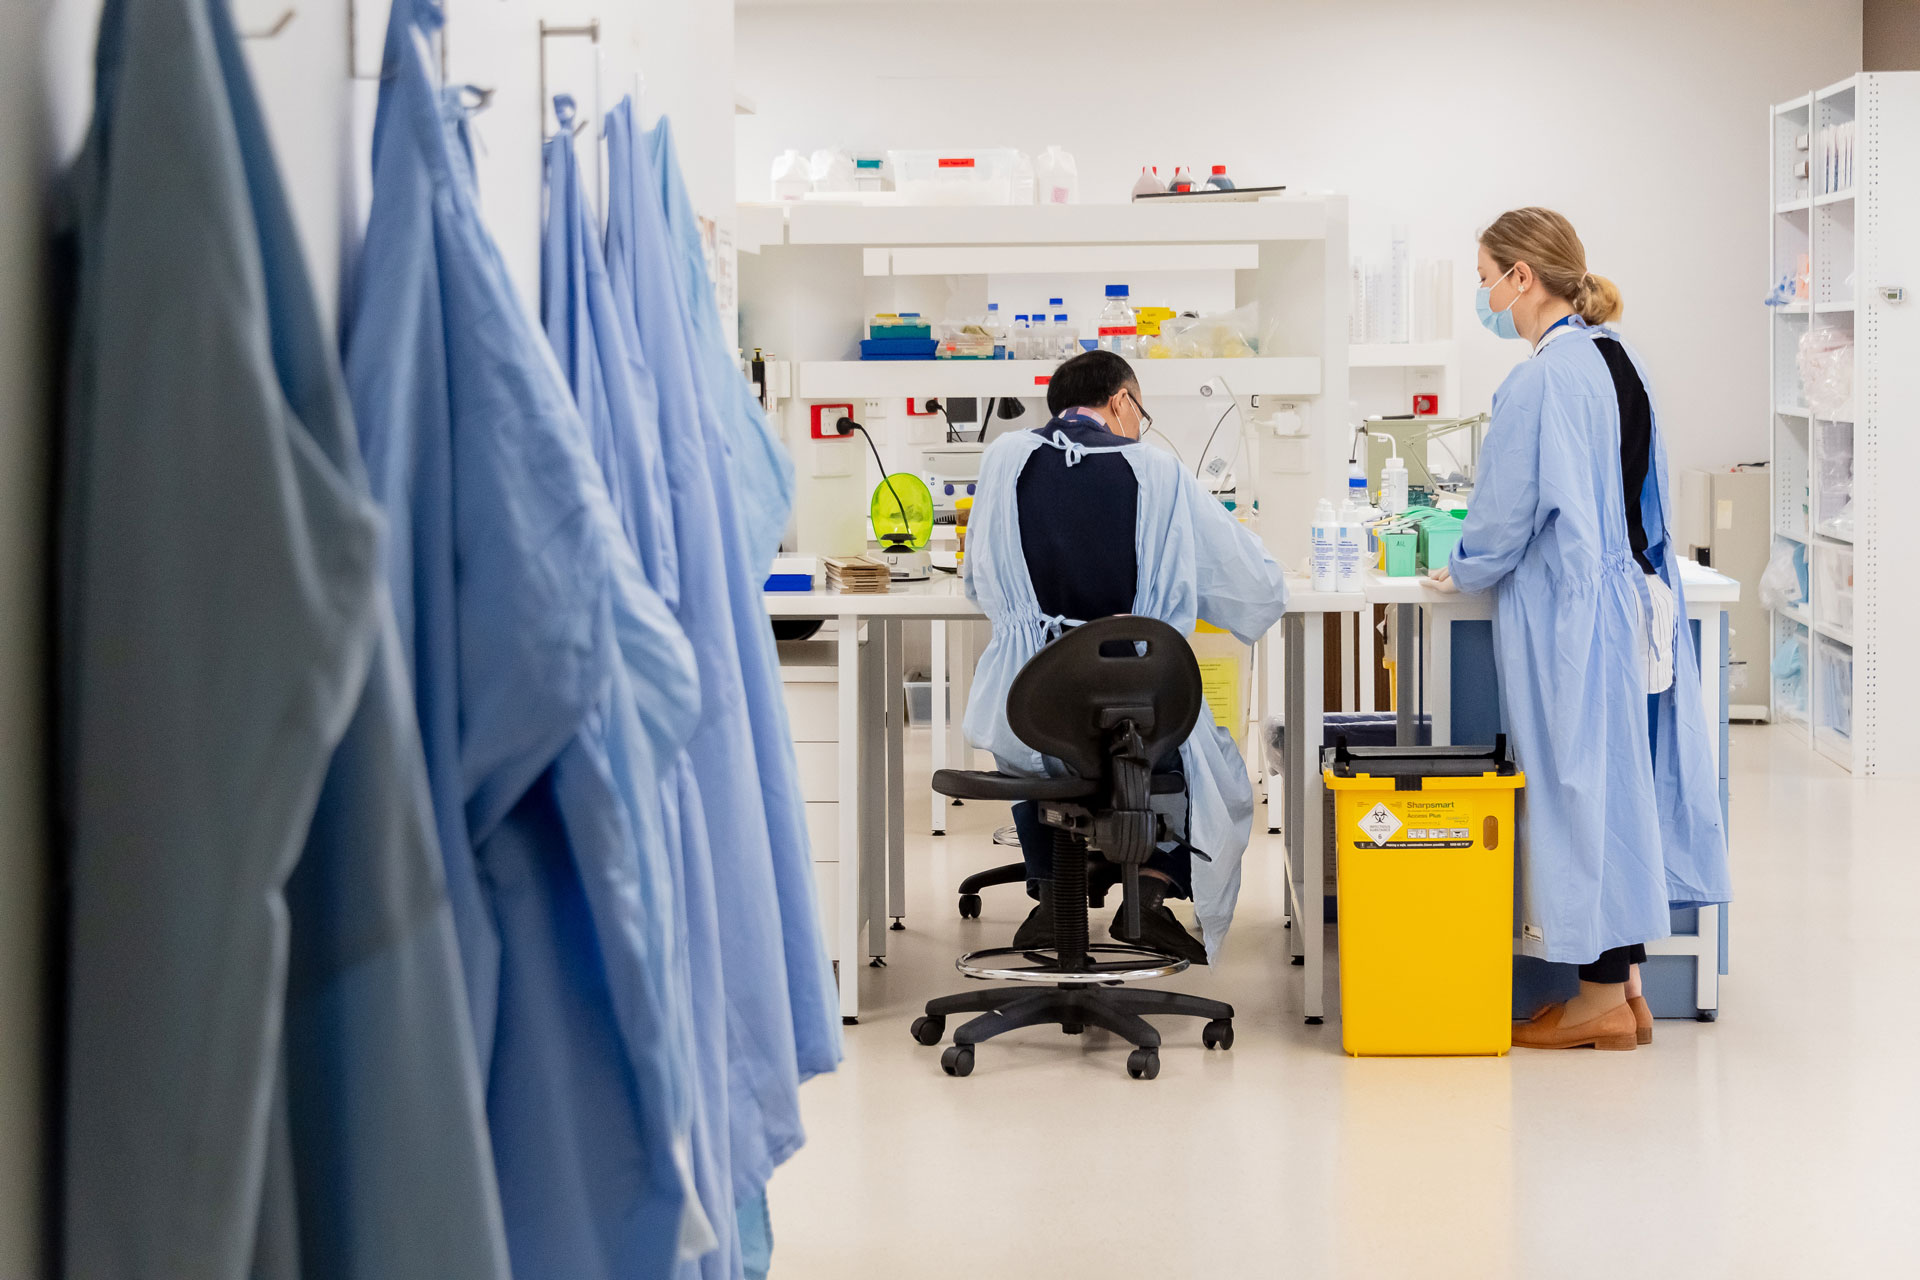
{"points": [[1547, 243]]}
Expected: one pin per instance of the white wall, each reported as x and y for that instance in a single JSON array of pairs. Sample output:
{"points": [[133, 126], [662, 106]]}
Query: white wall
{"points": [[682, 51], [1641, 120]]}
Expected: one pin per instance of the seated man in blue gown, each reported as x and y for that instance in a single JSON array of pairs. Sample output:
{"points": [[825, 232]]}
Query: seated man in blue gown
{"points": [[1077, 532]]}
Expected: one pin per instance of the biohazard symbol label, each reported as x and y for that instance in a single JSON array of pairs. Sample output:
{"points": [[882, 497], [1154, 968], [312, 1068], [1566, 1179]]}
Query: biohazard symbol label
{"points": [[1379, 823]]}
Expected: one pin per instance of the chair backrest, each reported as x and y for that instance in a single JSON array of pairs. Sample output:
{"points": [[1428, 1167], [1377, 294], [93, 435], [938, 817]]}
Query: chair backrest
{"points": [[1067, 701]]}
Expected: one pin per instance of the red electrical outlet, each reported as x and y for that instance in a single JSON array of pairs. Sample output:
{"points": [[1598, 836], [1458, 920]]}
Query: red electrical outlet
{"points": [[917, 407], [1426, 406], [824, 418]]}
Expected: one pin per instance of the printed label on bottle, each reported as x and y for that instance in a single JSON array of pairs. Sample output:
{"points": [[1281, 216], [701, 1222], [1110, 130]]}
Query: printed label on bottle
{"points": [[1118, 330], [958, 162]]}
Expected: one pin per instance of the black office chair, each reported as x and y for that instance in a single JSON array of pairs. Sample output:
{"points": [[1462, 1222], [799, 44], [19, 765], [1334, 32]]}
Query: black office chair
{"points": [[1101, 877], [1107, 700]]}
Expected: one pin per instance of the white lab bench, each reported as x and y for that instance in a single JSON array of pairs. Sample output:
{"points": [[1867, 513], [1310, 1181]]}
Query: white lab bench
{"points": [[862, 872], [1304, 707], [860, 853], [1457, 693]]}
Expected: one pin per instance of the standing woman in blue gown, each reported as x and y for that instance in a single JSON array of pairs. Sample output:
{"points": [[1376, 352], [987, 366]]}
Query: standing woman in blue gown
{"points": [[1599, 684]]}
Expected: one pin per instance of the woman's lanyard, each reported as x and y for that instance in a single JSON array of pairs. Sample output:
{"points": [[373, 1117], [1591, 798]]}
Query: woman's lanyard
{"points": [[1558, 329]]}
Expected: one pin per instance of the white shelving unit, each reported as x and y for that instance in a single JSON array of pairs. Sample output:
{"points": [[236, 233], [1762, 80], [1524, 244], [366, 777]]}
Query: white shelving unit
{"points": [[1386, 376], [1296, 376], [1856, 695], [811, 273]]}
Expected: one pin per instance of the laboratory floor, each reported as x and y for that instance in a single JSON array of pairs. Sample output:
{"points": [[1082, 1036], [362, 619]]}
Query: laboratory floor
{"points": [[1782, 1141]]}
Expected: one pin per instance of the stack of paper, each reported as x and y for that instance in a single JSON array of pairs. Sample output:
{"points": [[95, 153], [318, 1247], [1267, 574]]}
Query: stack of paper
{"points": [[859, 575]]}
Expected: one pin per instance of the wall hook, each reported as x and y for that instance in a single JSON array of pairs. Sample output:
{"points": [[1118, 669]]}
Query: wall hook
{"points": [[353, 47], [279, 24], [589, 31]]}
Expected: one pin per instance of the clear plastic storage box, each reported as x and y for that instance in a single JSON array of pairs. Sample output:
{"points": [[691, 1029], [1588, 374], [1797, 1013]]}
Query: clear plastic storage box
{"points": [[954, 177]]}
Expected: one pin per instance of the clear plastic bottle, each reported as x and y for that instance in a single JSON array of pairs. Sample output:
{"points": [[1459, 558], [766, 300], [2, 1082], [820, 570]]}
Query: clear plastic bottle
{"points": [[1020, 340], [1218, 179], [997, 327], [1118, 333], [1023, 180], [1065, 344], [1040, 337], [1149, 183], [1357, 484]]}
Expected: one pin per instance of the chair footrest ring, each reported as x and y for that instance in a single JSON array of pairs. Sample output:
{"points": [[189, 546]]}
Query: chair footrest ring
{"points": [[1109, 965]]}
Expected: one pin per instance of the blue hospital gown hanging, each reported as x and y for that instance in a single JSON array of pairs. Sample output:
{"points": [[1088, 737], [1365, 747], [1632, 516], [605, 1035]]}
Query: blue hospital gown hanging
{"points": [[615, 394], [269, 1068], [552, 685], [755, 488], [778, 983]]}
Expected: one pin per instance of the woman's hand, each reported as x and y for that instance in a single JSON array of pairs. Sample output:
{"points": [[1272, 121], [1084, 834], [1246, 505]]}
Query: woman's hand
{"points": [[1441, 580]]}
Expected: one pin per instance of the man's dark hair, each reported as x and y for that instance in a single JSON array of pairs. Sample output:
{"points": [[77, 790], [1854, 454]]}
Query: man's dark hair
{"points": [[1088, 379]]}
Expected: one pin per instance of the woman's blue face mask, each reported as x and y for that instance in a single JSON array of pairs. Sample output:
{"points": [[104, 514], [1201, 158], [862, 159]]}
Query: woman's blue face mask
{"points": [[1499, 323]]}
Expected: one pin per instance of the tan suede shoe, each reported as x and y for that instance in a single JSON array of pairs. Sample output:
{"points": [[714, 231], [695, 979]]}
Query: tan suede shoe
{"points": [[1613, 1029], [1642, 1019]]}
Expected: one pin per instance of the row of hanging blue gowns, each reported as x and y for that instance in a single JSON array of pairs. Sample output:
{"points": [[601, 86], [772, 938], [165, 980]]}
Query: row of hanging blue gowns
{"points": [[270, 1069], [755, 495], [582, 600], [399, 944], [616, 398], [660, 417], [551, 683]]}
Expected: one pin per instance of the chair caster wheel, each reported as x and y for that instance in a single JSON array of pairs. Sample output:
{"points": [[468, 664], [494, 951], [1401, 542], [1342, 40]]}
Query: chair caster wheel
{"points": [[930, 1029], [1143, 1064], [1073, 1028], [1706, 1015], [1217, 1034], [969, 906], [957, 1060]]}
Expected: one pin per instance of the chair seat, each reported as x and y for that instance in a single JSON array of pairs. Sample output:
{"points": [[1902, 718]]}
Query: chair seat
{"points": [[968, 784]]}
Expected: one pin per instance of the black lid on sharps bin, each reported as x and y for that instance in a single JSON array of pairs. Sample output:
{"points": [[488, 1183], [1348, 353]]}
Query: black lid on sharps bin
{"points": [[1419, 762]]}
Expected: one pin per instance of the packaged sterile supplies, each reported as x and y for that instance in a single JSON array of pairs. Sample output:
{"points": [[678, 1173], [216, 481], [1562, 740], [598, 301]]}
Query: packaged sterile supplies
{"points": [[1836, 158], [954, 177], [1826, 372], [1056, 178]]}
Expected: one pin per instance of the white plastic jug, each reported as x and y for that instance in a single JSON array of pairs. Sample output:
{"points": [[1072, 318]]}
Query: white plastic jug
{"points": [[791, 175], [1056, 178], [832, 170]]}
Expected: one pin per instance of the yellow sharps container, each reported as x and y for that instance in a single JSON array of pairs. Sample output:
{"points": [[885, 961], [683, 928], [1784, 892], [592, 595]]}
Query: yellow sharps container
{"points": [[1425, 862]]}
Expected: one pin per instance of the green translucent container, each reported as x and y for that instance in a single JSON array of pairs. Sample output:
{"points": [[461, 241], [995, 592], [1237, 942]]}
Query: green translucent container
{"points": [[1402, 551], [1437, 540]]}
